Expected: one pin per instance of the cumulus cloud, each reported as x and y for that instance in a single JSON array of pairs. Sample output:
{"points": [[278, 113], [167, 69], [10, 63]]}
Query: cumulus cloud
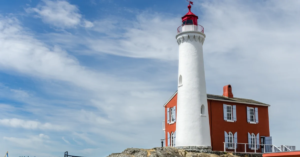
{"points": [[60, 13]]}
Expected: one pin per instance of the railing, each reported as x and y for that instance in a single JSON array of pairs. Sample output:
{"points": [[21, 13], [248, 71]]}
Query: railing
{"points": [[261, 148], [184, 28]]}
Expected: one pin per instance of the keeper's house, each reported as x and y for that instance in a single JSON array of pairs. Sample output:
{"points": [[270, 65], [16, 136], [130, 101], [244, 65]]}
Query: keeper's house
{"points": [[232, 120]]}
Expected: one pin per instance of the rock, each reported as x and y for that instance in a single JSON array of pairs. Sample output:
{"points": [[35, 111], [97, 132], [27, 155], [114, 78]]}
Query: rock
{"points": [[175, 152]]}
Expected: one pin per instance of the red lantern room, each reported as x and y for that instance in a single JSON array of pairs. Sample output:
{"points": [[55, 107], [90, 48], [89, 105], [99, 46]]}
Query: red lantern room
{"points": [[190, 18], [190, 22]]}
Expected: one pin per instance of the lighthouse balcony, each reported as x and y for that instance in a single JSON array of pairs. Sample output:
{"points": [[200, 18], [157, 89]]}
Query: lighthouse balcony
{"points": [[192, 27]]}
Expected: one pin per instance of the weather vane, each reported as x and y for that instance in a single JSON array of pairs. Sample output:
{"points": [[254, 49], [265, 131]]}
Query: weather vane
{"points": [[190, 2]]}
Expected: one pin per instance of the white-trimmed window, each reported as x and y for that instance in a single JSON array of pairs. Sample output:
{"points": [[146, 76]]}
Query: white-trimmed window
{"points": [[229, 112], [230, 141], [252, 115], [253, 141], [172, 139], [171, 115]]}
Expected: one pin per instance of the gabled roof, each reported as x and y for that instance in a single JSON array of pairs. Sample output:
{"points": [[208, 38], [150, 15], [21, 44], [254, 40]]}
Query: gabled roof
{"points": [[226, 99]]}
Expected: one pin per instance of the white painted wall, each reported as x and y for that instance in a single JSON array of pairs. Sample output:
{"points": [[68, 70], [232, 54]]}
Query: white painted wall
{"points": [[192, 128]]}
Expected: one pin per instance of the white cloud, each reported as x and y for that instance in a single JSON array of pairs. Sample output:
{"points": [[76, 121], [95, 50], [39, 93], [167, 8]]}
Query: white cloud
{"points": [[149, 37], [86, 138], [43, 136], [29, 124], [30, 142], [60, 13], [63, 138]]}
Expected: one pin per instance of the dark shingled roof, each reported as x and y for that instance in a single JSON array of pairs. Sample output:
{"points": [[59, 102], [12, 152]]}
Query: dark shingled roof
{"points": [[233, 100]]}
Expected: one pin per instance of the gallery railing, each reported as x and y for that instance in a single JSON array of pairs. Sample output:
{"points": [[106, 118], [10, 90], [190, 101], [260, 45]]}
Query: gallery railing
{"points": [[254, 148]]}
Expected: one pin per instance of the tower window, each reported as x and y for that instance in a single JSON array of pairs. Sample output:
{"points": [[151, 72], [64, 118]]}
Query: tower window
{"points": [[202, 110], [180, 80]]}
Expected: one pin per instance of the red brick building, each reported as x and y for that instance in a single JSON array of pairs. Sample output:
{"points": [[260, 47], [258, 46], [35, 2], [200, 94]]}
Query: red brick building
{"points": [[232, 120]]}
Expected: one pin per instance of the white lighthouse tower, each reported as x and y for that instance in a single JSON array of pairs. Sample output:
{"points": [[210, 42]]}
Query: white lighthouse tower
{"points": [[192, 128]]}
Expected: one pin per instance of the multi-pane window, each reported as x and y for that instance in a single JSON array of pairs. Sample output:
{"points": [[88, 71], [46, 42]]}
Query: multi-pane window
{"points": [[229, 112], [230, 141], [253, 141], [252, 114], [171, 115], [172, 139]]}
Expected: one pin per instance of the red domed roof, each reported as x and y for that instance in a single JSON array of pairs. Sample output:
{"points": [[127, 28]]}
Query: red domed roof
{"points": [[190, 16]]}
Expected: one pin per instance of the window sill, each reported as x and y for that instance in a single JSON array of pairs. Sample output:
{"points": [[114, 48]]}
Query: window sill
{"points": [[172, 123], [229, 121], [180, 85], [203, 115], [252, 122]]}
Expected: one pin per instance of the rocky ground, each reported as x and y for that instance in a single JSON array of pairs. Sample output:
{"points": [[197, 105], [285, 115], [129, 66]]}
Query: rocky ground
{"points": [[174, 152]]}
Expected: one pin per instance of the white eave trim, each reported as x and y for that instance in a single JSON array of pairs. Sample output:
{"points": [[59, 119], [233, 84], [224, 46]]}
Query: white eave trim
{"points": [[239, 102], [221, 100], [170, 99]]}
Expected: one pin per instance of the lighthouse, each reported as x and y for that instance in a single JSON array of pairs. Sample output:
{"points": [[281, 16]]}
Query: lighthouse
{"points": [[192, 128]]}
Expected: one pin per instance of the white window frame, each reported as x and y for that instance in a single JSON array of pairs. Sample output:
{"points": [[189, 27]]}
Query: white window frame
{"points": [[253, 141], [230, 141], [253, 115], [229, 113], [171, 115], [172, 139]]}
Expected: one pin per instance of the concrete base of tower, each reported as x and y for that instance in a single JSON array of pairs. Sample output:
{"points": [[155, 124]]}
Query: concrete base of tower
{"points": [[200, 149]]}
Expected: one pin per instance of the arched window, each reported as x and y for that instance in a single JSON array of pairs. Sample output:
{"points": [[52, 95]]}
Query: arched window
{"points": [[230, 140], [253, 140], [180, 80], [172, 139], [202, 109]]}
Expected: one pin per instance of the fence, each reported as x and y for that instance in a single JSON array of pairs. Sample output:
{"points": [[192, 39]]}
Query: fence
{"points": [[254, 148]]}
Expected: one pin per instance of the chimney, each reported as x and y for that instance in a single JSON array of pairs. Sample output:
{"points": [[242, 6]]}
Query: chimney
{"points": [[227, 91]]}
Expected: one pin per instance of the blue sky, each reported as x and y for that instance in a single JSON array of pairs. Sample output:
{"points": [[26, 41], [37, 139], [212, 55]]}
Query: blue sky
{"points": [[91, 77]]}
